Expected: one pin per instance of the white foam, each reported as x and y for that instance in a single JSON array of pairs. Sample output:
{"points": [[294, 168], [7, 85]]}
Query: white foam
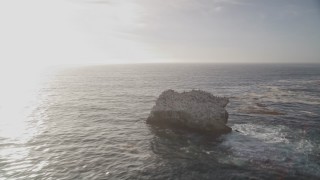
{"points": [[258, 142], [266, 134], [304, 146]]}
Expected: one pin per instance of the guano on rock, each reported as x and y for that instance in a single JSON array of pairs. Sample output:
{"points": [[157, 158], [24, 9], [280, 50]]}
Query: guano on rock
{"points": [[195, 110]]}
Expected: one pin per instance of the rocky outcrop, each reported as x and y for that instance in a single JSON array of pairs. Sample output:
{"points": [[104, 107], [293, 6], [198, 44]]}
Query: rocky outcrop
{"points": [[195, 110]]}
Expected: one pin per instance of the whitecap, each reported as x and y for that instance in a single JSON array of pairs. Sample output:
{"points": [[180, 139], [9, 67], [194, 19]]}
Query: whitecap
{"points": [[264, 133]]}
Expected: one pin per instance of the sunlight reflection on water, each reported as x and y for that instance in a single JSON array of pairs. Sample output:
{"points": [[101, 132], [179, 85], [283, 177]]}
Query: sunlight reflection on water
{"points": [[18, 123], [18, 100]]}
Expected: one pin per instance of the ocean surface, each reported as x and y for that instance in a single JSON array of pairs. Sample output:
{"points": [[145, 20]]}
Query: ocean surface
{"points": [[89, 123]]}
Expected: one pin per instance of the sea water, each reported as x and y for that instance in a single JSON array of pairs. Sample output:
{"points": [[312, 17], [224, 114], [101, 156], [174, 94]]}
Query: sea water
{"points": [[89, 123]]}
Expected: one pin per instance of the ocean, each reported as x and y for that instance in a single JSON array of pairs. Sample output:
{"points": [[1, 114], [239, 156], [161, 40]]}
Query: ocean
{"points": [[88, 122]]}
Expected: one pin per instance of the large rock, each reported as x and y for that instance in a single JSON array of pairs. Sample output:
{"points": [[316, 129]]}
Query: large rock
{"points": [[195, 110]]}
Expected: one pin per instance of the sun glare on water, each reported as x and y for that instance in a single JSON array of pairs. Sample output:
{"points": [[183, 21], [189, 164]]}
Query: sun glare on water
{"points": [[19, 97]]}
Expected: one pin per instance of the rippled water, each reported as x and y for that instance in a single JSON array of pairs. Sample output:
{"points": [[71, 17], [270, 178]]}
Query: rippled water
{"points": [[89, 123]]}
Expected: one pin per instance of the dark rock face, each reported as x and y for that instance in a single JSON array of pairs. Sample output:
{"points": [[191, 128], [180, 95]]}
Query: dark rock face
{"points": [[196, 110]]}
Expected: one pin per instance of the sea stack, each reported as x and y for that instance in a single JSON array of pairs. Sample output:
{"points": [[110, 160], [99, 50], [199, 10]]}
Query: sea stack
{"points": [[195, 110]]}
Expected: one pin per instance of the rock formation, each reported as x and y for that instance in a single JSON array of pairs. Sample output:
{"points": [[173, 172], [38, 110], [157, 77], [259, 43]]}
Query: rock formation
{"points": [[195, 110]]}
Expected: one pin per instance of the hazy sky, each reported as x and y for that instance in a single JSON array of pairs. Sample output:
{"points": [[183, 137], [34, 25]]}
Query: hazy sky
{"points": [[49, 32]]}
